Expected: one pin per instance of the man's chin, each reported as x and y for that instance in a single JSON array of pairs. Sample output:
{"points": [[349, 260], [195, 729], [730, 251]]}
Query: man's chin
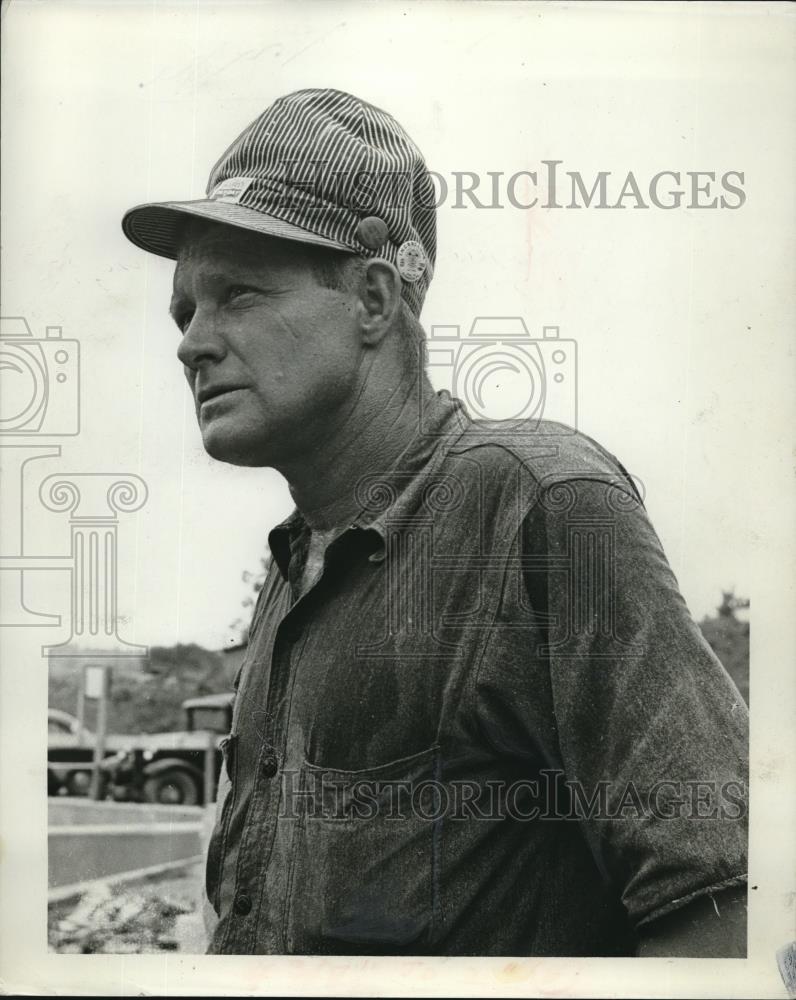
{"points": [[235, 449]]}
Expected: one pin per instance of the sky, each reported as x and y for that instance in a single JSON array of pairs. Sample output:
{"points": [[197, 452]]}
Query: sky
{"points": [[681, 316]]}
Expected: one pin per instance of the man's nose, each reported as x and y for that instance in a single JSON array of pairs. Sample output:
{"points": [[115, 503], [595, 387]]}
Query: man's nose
{"points": [[201, 342]]}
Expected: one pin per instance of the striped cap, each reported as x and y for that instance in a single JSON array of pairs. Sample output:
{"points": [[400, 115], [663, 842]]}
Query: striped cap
{"points": [[320, 167]]}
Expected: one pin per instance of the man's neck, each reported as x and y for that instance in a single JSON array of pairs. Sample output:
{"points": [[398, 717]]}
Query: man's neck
{"points": [[324, 485]]}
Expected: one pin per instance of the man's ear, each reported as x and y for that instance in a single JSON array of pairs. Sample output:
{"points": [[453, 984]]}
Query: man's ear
{"points": [[379, 299]]}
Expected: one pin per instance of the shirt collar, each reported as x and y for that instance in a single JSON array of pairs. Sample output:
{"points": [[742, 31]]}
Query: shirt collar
{"points": [[394, 494]]}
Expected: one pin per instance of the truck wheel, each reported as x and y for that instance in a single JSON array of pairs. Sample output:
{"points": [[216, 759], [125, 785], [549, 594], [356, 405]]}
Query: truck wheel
{"points": [[174, 787]]}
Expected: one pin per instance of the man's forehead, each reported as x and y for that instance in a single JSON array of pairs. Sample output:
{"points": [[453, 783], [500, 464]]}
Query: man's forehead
{"points": [[205, 239], [228, 249]]}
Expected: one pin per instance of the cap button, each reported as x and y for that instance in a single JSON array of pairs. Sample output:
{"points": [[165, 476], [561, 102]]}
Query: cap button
{"points": [[372, 232]]}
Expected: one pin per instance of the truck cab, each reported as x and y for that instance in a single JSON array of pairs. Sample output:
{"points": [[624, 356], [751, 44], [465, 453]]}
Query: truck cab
{"points": [[211, 712]]}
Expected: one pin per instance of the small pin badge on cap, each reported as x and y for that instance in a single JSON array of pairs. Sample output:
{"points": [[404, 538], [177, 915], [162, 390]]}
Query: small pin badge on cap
{"points": [[372, 232], [411, 260]]}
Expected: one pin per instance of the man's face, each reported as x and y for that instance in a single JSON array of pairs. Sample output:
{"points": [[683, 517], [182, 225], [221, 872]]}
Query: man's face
{"points": [[270, 355]]}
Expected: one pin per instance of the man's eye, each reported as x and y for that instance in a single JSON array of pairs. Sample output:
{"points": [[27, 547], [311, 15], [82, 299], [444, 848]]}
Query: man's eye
{"points": [[184, 320], [236, 291]]}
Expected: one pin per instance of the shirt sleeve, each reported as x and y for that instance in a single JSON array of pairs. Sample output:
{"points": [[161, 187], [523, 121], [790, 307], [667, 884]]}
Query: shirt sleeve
{"points": [[650, 729]]}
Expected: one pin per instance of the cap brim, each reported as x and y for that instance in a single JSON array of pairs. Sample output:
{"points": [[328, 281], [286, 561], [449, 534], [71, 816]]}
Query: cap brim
{"points": [[156, 227]]}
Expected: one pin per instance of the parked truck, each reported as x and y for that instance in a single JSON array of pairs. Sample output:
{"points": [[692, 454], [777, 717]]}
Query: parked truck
{"points": [[173, 768]]}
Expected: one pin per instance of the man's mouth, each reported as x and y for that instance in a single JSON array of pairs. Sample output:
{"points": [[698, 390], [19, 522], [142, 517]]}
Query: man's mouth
{"points": [[214, 391]]}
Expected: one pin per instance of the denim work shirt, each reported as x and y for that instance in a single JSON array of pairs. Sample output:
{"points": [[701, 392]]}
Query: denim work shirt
{"points": [[491, 726]]}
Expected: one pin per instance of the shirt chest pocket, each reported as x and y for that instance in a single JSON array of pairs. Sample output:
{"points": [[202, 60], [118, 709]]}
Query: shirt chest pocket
{"points": [[364, 859]]}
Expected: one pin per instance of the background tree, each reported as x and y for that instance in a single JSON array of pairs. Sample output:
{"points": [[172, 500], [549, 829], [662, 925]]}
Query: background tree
{"points": [[255, 580], [728, 637]]}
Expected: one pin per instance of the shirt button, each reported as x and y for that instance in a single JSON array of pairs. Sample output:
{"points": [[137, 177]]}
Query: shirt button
{"points": [[242, 904], [270, 765]]}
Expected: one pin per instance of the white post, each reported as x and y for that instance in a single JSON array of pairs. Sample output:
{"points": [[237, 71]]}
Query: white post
{"points": [[96, 679]]}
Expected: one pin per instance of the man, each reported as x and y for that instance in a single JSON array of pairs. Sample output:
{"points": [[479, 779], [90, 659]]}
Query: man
{"points": [[475, 716]]}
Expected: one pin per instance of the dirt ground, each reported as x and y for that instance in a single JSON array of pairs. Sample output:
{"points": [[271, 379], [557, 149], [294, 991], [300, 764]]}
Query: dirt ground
{"points": [[159, 914]]}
